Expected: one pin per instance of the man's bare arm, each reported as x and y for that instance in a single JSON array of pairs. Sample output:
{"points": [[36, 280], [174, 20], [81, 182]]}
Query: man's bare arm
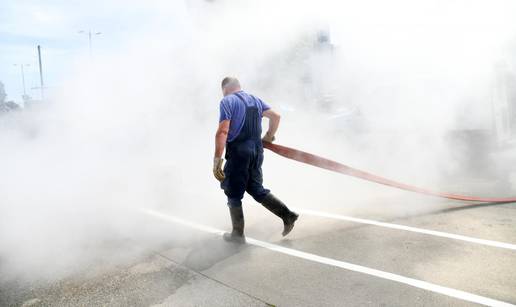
{"points": [[221, 137], [274, 120]]}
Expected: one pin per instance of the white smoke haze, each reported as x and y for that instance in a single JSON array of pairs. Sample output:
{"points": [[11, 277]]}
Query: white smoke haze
{"points": [[134, 127]]}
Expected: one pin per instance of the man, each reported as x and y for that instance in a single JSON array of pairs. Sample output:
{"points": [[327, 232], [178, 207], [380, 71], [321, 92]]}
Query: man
{"points": [[240, 130]]}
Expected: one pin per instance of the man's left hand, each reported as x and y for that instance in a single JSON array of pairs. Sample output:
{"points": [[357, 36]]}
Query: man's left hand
{"points": [[217, 169]]}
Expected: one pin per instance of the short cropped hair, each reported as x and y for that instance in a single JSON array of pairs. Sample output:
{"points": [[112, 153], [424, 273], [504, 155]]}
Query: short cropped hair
{"points": [[230, 82]]}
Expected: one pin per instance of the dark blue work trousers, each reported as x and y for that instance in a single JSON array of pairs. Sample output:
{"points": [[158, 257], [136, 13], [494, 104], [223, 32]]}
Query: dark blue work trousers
{"points": [[244, 158]]}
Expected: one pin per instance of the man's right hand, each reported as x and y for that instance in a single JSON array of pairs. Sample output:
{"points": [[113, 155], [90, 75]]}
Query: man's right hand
{"points": [[268, 138], [217, 169]]}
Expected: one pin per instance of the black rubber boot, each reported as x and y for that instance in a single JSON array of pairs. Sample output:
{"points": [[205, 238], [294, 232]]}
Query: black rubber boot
{"points": [[277, 207], [237, 219]]}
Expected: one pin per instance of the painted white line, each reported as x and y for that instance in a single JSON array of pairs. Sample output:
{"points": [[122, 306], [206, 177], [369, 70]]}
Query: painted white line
{"points": [[466, 296], [408, 228]]}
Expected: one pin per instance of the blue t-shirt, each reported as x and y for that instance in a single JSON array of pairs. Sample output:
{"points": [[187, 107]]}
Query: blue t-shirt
{"points": [[233, 108]]}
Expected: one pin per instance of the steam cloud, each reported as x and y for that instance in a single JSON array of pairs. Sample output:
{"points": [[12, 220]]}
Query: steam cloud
{"points": [[377, 85]]}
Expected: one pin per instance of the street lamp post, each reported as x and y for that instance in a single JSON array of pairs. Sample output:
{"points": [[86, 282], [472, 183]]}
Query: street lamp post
{"points": [[41, 73], [23, 77], [89, 33], [42, 85]]}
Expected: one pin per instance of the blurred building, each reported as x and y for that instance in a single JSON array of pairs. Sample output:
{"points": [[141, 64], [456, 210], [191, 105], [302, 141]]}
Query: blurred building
{"points": [[504, 104]]}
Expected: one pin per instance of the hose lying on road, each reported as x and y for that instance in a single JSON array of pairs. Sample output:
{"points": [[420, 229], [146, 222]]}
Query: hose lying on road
{"points": [[324, 163]]}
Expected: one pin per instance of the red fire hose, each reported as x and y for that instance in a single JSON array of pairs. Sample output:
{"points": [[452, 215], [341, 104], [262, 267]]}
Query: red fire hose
{"points": [[333, 166]]}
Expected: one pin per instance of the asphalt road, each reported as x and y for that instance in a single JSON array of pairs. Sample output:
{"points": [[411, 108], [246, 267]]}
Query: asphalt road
{"points": [[205, 271]]}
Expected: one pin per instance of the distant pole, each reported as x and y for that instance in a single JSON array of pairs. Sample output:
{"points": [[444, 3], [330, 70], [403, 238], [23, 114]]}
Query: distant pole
{"points": [[23, 80], [23, 77], [90, 36], [89, 39], [41, 72]]}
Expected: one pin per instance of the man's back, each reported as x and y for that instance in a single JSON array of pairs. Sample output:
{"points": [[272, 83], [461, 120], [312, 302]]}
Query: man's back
{"points": [[233, 107]]}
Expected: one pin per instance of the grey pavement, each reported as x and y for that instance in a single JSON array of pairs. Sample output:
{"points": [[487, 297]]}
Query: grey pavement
{"points": [[151, 281]]}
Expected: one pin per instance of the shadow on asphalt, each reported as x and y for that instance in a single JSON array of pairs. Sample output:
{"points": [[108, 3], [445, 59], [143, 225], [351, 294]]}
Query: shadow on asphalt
{"points": [[471, 206], [211, 251]]}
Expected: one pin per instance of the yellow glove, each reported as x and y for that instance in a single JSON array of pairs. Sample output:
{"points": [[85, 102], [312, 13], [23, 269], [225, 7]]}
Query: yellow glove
{"points": [[217, 169], [268, 138]]}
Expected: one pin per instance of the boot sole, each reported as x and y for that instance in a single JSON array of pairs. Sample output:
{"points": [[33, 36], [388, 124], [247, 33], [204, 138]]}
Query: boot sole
{"points": [[288, 227], [232, 239]]}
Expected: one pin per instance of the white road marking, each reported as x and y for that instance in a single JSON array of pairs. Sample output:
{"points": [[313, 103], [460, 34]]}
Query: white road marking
{"points": [[466, 296], [409, 228]]}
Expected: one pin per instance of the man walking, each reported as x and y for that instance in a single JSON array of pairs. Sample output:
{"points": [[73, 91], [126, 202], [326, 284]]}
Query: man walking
{"points": [[240, 130]]}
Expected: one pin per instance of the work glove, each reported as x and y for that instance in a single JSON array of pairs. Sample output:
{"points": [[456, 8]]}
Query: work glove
{"points": [[268, 138], [217, 169]]}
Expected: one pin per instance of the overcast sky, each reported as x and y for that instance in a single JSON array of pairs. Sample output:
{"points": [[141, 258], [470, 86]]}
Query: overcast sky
{"points": [[54, 24]]}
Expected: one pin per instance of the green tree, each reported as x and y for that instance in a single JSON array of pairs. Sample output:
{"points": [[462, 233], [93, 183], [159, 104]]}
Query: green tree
{"points": [[6, 106], [3, 95]]}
